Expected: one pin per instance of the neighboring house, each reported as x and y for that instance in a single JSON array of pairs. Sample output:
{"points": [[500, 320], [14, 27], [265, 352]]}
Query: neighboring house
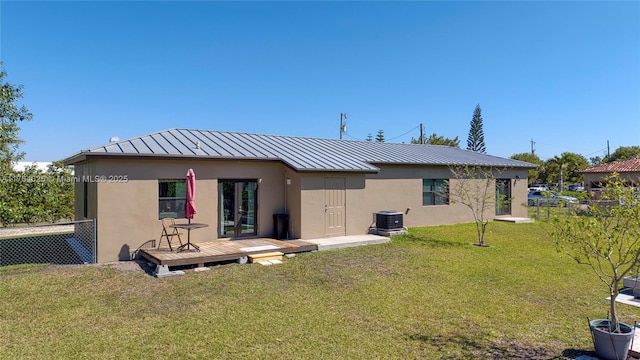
{"points": [[326, 187], [596, 176]]}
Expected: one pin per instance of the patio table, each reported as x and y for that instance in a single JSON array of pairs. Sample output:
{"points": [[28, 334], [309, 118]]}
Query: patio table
{"points": [[188, 245]]}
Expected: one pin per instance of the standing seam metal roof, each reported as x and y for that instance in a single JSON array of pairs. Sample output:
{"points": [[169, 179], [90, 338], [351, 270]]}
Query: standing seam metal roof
{"points": [[300, 153]]}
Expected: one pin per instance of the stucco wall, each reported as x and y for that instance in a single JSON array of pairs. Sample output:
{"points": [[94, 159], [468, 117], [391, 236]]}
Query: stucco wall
{"points": [[294, 203], [395, 188], [313, 204], [400, 188], [127, 211]]}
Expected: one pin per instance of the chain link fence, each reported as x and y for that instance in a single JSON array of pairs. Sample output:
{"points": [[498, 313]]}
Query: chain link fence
{"points": [[63, 243]]}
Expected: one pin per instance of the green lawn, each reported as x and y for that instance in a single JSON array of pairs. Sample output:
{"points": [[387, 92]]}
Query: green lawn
{"points": [[428, 295]]}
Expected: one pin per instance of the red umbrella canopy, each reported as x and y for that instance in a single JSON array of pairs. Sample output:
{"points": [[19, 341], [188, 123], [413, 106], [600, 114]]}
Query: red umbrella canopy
{"points": [[190, 206]]}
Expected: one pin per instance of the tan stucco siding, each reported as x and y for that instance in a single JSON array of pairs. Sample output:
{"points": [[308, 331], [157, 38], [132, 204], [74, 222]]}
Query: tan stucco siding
{"points": [[400, 188], [125, 201], [519, 192], [128, 210], [294, 203], [312, 204], [396, 188]]}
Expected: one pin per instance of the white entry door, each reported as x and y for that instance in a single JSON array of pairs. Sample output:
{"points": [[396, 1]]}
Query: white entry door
{"points": [[334, 206]]}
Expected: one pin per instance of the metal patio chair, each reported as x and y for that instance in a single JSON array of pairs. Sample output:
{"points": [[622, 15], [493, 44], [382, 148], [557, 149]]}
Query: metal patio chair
{"points": [[168, 232]]}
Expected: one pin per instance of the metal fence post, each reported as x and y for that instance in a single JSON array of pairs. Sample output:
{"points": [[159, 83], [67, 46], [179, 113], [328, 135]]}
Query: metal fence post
{"points": [[95, 241]]}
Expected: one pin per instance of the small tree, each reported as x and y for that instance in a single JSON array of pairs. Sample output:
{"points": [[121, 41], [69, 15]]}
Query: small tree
{"points": [[608, 240], [33, 196], [435, 139], [58, 199], [11, 114], [474, 187], [380, 136]]}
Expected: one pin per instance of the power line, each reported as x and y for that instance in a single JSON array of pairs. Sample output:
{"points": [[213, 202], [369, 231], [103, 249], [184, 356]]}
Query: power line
{"points": [[597, 151], [343, 129], [417, 127], [354, 138]]}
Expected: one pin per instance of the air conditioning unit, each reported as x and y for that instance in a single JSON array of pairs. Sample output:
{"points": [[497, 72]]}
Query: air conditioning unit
{"points": [[389, 220]]}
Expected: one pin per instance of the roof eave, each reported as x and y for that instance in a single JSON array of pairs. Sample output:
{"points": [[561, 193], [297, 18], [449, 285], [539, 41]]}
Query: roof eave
{"points": [[350, 171], [87, 155], [512, 166], [83, 156]]}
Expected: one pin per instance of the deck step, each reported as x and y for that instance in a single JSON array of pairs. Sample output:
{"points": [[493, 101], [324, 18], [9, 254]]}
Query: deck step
{"points": [[268, 256]]}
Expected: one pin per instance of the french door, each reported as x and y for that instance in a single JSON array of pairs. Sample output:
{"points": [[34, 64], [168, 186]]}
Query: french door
{"points": [[503, 196], [237, 209]]}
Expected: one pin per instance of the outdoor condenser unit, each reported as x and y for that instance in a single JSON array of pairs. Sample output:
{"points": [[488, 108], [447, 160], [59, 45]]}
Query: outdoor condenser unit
{"points": [[389, 220]]}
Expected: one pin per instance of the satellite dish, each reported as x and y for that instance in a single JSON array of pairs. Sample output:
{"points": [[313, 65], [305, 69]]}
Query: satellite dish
{"points": [[114, 139]]}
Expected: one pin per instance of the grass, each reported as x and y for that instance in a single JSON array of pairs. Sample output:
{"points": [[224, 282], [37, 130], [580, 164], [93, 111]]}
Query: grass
{"points": [[429, 294]]}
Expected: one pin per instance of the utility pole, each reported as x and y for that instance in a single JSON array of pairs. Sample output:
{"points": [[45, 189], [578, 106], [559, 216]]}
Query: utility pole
{"points": [[343, 125], [421, 135], [533, 149], [608, 154]]}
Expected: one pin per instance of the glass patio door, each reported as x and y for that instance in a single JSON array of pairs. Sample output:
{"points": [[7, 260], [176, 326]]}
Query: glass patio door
{"points": [[237, 207], [503, 196]]}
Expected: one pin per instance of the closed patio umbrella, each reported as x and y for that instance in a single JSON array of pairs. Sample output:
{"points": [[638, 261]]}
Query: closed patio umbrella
{"points": [[190, 210], [190, 205]]}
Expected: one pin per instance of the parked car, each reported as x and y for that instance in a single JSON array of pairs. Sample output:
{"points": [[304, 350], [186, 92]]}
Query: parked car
{"points": [[538, 187], [575, 187], [549, 198]]}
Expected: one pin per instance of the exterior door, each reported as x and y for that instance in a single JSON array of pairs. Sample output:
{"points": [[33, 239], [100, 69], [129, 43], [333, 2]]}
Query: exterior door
{"points": [[334, 207], [238, 200], [503, 196]]}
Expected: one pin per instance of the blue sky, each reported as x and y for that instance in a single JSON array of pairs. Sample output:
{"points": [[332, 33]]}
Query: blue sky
{"points": [[565, 74]]}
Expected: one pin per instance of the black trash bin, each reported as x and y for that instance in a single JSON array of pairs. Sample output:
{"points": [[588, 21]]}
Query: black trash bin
{"points": [[280, 226]]}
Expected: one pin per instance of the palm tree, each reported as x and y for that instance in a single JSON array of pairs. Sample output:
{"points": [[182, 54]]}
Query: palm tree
{"points": [[566, 160]]}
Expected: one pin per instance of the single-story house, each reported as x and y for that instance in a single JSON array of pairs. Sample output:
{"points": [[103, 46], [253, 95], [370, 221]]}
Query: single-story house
{"points": [[326, 187], [596, 176]]}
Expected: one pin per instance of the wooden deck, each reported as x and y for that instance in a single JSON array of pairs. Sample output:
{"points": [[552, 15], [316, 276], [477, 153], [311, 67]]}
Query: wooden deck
{"points": [[224, 250]]}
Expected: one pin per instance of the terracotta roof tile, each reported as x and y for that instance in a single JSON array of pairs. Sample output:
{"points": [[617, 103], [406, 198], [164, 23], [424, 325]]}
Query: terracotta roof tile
{"points": [[630, 165]]}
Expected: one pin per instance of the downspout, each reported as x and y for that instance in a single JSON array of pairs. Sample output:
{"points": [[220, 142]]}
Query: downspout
{"points": [[286, 181]]}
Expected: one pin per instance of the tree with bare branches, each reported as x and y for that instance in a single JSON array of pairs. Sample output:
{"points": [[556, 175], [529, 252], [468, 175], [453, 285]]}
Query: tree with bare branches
{"points": [[475, 188]]}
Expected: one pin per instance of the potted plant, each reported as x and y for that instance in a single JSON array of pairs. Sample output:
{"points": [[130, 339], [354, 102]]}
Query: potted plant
{"points": [[607, 239]]}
